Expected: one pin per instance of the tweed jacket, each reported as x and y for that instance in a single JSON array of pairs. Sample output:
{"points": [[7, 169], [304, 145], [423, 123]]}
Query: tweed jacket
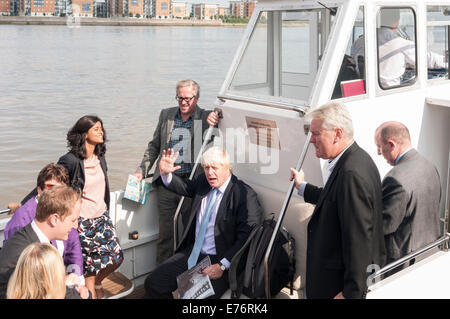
{"points": [[162, 134]]}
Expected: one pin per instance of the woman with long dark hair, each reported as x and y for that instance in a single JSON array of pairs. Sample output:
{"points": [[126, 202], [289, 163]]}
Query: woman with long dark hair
{"points": [[86, 165]]}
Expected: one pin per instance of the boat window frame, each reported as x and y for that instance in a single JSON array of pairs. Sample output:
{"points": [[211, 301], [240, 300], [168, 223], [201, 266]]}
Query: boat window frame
{"points": [[266, 100], [401, 85], [438, 23], [364, 95]]}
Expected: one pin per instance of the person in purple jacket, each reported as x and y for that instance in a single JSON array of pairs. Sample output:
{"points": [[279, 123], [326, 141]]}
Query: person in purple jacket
{"points": [[51, 175]]}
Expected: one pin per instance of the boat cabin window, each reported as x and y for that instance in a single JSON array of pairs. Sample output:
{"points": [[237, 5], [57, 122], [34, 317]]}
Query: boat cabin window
{"points": [[351, 77], [438, 30], [282, 55], [397, 50]]}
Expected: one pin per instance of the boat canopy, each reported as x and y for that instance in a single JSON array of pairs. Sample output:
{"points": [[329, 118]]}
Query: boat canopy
{"points": [[280, 60], [301, 54]]}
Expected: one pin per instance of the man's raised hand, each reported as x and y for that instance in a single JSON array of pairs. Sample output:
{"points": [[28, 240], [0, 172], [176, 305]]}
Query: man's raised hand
{"points": [[166, 165]]}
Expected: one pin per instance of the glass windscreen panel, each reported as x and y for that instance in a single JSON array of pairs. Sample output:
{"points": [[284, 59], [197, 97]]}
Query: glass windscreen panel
{"points": [[397, 48], [351, 79], [252, 74], [438, 27], [283, 54]]}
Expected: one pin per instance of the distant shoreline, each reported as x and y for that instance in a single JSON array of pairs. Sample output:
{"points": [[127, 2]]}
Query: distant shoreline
{"points": [[116, 21]]}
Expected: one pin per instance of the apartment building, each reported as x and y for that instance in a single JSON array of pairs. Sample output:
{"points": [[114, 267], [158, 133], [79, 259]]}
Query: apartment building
{"points": [[242, 9], [136, 7], [237, 8], [179, 10], [224, 11], [42, 7], [249, 7], [5, 7], [115, 7], [83, 8], [162, 9], [205, 11]]}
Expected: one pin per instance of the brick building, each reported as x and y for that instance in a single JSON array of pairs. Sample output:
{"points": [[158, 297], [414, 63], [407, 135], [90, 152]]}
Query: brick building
{"points": [[162, 9], [242, 9], [83, 8], [224, 11], [42, 7], [179, 10], [5, 7], [136, 7], [205, 11]]}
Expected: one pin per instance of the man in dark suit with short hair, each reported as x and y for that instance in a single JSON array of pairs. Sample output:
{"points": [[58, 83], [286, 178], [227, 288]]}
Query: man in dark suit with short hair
{"points": [[411, 193], [345, 236], [224, 211], [57, 214]]}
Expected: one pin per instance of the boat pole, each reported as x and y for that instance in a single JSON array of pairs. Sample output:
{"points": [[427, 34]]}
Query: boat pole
{"points": [[283, 211], [4, 211]]}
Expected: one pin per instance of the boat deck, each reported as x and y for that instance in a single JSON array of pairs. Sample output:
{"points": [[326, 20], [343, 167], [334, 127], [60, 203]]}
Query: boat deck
{"points": [[138, 293], [116, 286]]}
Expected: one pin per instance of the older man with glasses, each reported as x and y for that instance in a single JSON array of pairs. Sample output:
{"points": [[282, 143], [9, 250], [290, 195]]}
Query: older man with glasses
{"points": [[180, 128]]}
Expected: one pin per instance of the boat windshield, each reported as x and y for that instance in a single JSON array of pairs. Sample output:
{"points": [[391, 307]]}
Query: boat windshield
{"points": [[282, 55]]}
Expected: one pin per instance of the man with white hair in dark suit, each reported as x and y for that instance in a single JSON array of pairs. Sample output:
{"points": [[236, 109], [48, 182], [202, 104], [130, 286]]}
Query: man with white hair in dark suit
{"points": [[345, 235]]}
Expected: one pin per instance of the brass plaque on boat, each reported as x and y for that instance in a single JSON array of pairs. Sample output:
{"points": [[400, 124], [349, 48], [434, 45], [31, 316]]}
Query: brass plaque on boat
{"points": [[263, 132]]}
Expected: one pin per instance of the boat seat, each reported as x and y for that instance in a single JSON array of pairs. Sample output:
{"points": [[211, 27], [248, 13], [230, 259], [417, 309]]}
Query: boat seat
{"points": [[295, 221], [117, 286]]}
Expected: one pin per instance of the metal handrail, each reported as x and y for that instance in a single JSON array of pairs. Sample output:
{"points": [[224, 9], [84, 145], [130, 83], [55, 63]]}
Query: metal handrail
{"points": [[5, 211], [408, 257], [281, 216], [275, 104]]}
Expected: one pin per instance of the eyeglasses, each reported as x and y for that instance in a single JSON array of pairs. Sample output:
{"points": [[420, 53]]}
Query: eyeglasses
{"points": [[187, 99]]}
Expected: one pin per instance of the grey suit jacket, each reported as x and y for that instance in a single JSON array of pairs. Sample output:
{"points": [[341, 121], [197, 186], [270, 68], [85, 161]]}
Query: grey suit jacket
{"points": [[162, 134], [411, 197]]}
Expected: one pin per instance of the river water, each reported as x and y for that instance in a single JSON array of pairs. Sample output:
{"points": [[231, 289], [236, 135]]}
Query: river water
{"points": [[52, 75]]}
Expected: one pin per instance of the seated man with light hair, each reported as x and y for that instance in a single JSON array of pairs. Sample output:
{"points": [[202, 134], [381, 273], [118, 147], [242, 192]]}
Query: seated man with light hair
{"points": [[224, 211]]}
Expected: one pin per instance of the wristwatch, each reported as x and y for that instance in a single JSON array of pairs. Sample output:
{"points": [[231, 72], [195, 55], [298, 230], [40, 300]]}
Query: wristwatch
{"points": [[222, 266]]}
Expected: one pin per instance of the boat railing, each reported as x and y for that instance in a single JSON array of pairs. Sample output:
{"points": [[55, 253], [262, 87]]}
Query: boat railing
{"points": [[5, 211], [377, 276], [265, 102], [283, 211]]}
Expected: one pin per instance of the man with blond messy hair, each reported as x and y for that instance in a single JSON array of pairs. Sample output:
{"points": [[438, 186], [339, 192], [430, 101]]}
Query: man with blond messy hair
{"points": [[224, 211]]}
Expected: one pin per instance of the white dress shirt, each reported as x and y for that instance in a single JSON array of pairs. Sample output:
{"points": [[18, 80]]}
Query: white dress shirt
{"points": [[44, 239], [330, 167], [59, 246]]}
